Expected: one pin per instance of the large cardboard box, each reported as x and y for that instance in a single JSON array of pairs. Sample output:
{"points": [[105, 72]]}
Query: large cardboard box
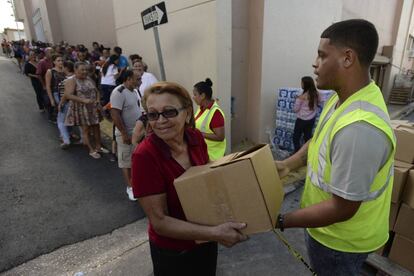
{"points": [[402, 252], [401, 170], [408, 193], [405, 222], [393, 215], [241, 187], [405, 146]]}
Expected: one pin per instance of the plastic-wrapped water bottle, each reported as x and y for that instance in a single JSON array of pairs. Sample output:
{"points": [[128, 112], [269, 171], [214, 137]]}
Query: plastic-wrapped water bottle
{"points": [[80, 273]]}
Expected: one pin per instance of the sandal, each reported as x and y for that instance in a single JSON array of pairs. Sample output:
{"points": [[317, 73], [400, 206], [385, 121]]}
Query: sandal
{"points": [[95, 155], [102, 150]]}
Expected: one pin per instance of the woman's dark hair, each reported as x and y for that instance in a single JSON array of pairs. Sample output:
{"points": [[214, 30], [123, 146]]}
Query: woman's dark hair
{"points": [[135, 57], [55, 56], [124, 76], [204, 87], [111, 60], [309, 87], [69, 65]]}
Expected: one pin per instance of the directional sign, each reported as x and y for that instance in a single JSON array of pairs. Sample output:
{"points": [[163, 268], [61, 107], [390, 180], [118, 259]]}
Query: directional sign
{"points": [[154, 16]]}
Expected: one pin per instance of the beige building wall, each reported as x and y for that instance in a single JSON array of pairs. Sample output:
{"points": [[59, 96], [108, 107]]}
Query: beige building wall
{"points": [[240, 62], [195, 43], [291, 31], [85, 21], [75, 21]]}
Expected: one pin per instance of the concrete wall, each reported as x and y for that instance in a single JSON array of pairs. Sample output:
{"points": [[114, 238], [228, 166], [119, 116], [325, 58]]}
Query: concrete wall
{"points": [[290, 40], [195, 43], [76, 21], [82, 22], [240, 63]]}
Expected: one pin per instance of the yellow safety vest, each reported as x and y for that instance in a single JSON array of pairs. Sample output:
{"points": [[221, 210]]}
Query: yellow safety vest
{"points": [[368, 229], [215, 149]]}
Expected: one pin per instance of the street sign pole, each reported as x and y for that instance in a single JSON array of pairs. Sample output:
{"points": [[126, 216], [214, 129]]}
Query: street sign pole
{"points": [[151, 18], [159, 53]]}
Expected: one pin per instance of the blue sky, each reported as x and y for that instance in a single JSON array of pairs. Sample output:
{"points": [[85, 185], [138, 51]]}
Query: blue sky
{"points": [[6, 16]]}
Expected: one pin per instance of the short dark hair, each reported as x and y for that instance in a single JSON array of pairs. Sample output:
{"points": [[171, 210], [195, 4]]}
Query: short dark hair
{"points": [[357, 34], [118, 50], [125, 75], [69, 65], [204, 87]]}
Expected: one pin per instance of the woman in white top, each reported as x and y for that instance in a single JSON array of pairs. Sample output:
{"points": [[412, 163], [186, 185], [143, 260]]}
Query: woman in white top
{"points": [[109, 74], [147, 79]]}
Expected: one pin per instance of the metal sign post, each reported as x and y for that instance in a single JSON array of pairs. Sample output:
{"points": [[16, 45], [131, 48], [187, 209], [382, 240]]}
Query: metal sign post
{"points": [[159, 53], [151, 18]]}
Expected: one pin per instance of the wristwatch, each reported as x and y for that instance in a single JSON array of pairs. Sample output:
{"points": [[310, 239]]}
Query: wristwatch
{"points": [[280, 221]]}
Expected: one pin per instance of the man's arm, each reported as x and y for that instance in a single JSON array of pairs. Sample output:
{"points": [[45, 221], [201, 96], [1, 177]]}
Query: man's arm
{"points": [[325, 213], [119, 123], [294, 162]]}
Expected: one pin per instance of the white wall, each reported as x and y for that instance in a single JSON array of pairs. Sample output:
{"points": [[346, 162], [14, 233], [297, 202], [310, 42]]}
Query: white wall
{"points": [[195, 43], [291, 35], [83, 22], [240, 63]]}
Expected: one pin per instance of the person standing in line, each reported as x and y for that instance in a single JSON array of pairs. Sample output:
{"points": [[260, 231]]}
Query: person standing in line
{"points": [[148, 79], [125, 111], [209, 119], [123, 62], [30, 71], [68, 69], [109, 74], [305, 108], [83, 108], [45, 64], [173, 146], [346, 201], [53, 77]]}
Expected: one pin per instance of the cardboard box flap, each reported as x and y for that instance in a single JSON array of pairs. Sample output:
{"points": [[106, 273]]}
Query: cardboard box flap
{"points": [[234, 157], [403, 165], [405, 128]]}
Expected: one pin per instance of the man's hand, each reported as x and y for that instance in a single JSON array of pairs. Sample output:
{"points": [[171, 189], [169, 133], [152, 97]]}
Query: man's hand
{"points": [[126, 139], [282, 168]]}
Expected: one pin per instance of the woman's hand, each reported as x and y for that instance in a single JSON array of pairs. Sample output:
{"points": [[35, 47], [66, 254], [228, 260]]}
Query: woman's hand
{"points": [[88, 101], [228, 234], [282, 168]]}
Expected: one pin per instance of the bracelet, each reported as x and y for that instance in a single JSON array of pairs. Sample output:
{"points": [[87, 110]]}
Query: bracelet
{"points": [[280, 221]]}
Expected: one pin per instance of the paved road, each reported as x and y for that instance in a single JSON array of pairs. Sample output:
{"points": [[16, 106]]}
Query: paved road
{"points": [[49, 197]]}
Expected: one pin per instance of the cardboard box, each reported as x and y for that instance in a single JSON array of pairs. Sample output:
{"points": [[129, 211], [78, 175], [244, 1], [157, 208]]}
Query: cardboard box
{"points": [[405, 146], [241, 187], [402, 252], [408, 193], [393, 215], [405, 222], [401, 170]]}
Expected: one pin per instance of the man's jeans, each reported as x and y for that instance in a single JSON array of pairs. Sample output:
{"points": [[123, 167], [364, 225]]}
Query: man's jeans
{"points": [[64, 131], [326, 261]]}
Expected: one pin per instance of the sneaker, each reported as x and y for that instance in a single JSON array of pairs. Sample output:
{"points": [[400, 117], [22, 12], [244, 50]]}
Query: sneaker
{"points": [[64, 146], [130, 194], [95, 155], [112, 157], [103, 150]]}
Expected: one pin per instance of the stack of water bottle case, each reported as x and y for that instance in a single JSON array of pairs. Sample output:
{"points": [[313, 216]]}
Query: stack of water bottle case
{"points": [[286, 117]]}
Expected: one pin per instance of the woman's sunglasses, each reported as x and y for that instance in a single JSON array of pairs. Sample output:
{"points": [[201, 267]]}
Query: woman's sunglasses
{"points": [[168, 113]]}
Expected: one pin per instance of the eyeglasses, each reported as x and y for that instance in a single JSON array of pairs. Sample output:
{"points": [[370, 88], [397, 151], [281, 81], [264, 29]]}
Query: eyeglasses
{"points": [[168, 113]]}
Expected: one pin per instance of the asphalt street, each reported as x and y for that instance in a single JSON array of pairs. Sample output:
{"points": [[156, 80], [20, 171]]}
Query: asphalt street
{"points": [[49, 197]]}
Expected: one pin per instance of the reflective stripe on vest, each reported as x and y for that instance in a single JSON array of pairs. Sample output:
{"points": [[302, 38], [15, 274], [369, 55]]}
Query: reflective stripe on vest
{"points": [[323, 154]]}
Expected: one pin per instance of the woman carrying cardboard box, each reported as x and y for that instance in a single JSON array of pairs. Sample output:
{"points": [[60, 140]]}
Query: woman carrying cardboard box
{"points": [[174, 146]]}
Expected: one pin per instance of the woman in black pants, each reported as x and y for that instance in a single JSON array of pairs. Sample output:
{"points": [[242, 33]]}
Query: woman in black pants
{"points": [[30, 71], [305, 108]]}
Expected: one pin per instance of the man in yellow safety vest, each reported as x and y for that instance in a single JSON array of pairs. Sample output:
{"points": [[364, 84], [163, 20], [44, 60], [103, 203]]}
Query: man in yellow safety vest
{"points": [[346, 200]]}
